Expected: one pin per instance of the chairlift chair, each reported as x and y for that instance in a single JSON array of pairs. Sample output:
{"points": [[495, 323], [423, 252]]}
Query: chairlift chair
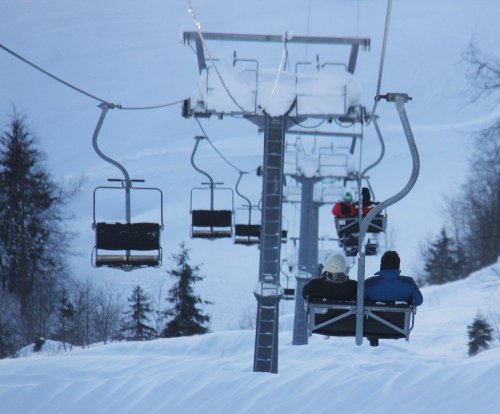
{"points": [[126, 245], [385, 320], [210, 223], [288, 291]]}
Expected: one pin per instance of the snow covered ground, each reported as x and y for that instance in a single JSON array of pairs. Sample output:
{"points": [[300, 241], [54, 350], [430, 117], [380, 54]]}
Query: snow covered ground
{"points": [[213, 373], [129, 52]]}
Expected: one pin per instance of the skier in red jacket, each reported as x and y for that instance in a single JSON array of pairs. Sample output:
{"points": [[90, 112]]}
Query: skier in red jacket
{"points": [[345, 208]]}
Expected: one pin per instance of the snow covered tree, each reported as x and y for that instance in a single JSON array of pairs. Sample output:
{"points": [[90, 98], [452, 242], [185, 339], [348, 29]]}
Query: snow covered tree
{"points": [[33, 245], [136, 325], [443, 261], [184, 316], [480, 335]]}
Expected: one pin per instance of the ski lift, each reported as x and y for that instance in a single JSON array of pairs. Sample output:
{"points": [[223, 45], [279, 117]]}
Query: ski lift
{"points": [[385, 320], [127, 246], [124, 245], [246, 232], [210, 223], [372, 320], [346, 226], [288, 291]]}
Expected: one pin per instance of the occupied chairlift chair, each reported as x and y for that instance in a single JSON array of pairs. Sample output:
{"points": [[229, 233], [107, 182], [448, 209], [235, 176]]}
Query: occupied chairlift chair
{"points": [[210, 223], [380, 319], [138, 244], [360, 319]]}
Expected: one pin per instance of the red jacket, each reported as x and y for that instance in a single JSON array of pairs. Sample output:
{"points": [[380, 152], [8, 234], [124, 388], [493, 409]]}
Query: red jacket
{"points": [[343, 209]]}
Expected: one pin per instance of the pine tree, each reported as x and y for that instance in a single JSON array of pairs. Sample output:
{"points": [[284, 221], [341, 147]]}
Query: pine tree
{"points": [[185, 318], [480, 335], [66, 319], [32, 242], [443, 261], [7, 344], [136, 324]]}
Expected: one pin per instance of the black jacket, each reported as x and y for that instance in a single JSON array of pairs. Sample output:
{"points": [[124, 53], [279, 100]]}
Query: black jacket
{"points": [[325, 287]]}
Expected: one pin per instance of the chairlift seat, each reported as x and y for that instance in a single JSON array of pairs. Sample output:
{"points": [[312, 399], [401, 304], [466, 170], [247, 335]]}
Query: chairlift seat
{"points": [[349, 225], [371, 248], [384, 320], [288, 293], [128, 237], [247, 234], [211, 224]]}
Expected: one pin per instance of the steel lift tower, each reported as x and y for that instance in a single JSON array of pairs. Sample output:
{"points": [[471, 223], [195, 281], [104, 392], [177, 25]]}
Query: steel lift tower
{"points": [[269, 292]]}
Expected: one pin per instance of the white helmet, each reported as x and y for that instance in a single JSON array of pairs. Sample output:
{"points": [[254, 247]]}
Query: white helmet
{"points": [[336, 263]]}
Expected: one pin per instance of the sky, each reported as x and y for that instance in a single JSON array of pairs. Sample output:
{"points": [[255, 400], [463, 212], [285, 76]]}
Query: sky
{"points": [[131, 53]]}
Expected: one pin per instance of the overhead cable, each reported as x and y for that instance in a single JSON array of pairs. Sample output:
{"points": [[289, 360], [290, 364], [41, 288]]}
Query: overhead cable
{"points": [[217, 151], [69, 85]]}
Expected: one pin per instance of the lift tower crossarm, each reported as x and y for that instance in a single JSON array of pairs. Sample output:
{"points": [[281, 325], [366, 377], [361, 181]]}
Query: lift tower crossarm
{"points": [[354, 42]]}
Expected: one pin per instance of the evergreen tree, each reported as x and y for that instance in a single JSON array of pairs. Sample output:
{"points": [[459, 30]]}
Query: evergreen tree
{"points": [[32, 242], [66, 321], [7, 344], [480, 335], [185, 318], [443, 261], [136, 325]]}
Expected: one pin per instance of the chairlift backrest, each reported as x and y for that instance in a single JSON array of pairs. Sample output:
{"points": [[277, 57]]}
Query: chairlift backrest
{"points": [[381, 320]]}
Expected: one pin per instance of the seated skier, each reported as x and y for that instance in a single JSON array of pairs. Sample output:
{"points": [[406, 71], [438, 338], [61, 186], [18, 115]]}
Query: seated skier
{"points": [[333, 283], [389, 285], [345, 208]]}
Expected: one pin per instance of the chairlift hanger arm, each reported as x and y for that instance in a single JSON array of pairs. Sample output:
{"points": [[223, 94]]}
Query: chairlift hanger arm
{"points": [[382, 149], [399, 100], [211, 183], [241, 195], [104, 109]]}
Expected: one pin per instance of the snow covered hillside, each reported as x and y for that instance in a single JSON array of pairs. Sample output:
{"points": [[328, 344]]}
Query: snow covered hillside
{"points": [[213, 373]]}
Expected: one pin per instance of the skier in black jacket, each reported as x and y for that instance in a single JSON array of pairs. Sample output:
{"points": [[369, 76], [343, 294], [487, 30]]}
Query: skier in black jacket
{"points": [[333, 282]]}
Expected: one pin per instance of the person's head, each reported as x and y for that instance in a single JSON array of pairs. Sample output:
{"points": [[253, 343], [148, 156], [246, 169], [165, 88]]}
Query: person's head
{"points": [[347, 197], [335, 263], [365, 195], [390, 260]]}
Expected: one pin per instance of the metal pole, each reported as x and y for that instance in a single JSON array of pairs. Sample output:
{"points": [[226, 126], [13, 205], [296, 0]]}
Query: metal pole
{"points": [[104, 109], [308, 256], [399, 99], [211, 181]]}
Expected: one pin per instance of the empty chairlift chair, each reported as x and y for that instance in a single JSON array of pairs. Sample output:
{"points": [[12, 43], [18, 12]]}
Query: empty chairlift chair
{"points": [[127, 246], [210, 223], [246, 231]]}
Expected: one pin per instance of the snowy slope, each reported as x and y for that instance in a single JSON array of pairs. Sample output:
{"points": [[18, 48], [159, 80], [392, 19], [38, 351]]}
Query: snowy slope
{"points": [[130, 53], [213, 373]]}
